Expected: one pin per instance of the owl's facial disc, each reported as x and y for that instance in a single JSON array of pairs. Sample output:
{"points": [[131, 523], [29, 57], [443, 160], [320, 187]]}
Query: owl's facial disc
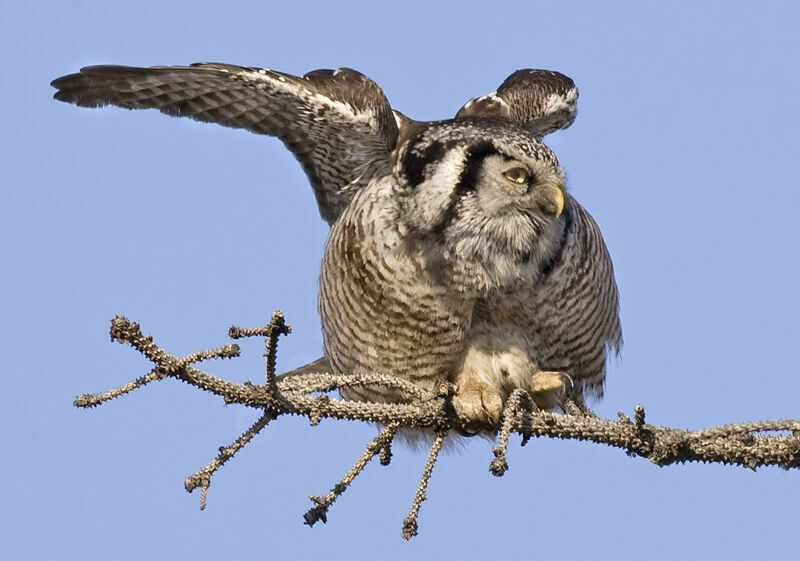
{"points": [[552, 196], [543, 183], [514, 184]]}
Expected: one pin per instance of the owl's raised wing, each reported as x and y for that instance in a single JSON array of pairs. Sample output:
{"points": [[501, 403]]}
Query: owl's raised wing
{"points": [[540, 101], [338, 124]]}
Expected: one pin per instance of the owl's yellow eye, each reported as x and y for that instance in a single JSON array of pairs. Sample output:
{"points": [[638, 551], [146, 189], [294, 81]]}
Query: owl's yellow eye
{"points": [[517, 175]]}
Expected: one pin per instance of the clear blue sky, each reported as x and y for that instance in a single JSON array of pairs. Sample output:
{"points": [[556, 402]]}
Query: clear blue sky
{"points": [[685, 150]]}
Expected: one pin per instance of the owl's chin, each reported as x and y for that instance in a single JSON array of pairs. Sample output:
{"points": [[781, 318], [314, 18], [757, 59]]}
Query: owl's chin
{"points": [[507, 261], [481, 274]]}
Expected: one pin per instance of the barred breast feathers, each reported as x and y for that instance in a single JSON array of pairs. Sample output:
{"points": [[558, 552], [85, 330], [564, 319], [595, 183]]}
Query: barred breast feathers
{"points": [[382, 310]]}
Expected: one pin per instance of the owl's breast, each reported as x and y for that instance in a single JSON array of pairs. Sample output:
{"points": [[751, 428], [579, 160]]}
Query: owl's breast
{"points": [[382, 311], [570, 312]]}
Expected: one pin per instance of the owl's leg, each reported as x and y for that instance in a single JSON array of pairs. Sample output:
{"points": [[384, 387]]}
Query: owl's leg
{"points": [[477, 399], [486, 379], [488, 376]]}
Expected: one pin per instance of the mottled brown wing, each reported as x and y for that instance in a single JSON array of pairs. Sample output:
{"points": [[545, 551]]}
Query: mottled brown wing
{"points": [[338, 124], [540, 101]]}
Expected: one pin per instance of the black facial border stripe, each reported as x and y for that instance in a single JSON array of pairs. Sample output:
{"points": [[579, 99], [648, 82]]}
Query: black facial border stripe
{"points": [[467, 183], [414, 163]]}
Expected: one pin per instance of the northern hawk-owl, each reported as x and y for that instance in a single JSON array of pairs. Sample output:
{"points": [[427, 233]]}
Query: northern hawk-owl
{"points": [[455, 252]]}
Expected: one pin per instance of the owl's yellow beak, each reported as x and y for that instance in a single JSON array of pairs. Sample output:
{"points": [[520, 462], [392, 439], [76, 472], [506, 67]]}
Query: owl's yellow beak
{"points": [[556, 196], [559, 199]]}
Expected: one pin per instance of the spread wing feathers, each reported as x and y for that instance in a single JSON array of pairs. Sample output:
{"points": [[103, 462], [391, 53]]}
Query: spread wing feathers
{"points": [[540, 101], [338, 124]]}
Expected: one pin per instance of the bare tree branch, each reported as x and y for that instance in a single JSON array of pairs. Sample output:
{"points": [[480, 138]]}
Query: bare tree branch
{"points": [[202, 478], [743, 444], [376, 446], [410, 523]]}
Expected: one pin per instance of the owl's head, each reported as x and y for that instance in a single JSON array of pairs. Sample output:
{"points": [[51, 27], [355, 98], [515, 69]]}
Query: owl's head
{"points": [[484, 197]]}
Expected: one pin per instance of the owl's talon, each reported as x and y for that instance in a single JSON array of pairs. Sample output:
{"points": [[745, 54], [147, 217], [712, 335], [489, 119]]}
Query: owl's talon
{"points": [[479, 404], [548, 389], [545, 381]]}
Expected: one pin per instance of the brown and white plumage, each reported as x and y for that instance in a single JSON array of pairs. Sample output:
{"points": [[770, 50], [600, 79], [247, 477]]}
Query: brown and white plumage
{"points": [[338, 124], [570, 308], [540, 101], [454, 253]]}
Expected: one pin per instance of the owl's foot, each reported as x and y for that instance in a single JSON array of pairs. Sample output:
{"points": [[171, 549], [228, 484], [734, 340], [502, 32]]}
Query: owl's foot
{"points": [[478, 402], [547, 388]]}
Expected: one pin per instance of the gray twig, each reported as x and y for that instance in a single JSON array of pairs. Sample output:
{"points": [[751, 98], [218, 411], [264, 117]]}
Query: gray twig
{"points": [[410, 525], [744, 444], [202, 478], [377, 445]]}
